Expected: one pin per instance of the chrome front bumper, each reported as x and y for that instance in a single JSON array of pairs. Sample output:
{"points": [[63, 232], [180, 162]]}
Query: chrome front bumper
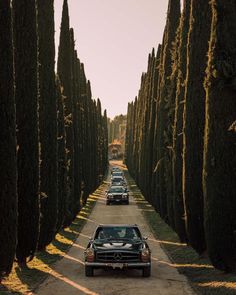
{"points": [[118, 265]]}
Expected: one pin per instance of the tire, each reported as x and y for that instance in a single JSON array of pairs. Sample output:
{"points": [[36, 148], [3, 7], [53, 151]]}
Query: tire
{"points": [[108, 203], [88, 271], [127, 202], [147, 272]]}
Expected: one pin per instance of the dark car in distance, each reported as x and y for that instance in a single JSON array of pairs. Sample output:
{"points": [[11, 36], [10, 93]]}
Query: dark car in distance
{"points": [[117, 194], [118, 247], [118, 180]]}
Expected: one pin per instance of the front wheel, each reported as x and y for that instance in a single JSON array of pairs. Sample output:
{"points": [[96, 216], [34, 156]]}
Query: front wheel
{"points": [[89, 271], [108, 203], [147, 271]]}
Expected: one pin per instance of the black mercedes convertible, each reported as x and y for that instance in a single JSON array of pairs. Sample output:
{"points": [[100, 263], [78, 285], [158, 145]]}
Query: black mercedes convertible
{"points": [[118, 246]]}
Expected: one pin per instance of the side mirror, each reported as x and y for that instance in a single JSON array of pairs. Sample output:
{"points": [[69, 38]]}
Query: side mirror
{"points": [[145, 238]]}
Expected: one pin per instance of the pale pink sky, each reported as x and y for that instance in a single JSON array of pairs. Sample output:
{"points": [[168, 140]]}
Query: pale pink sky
{"points": [[113, 39]]}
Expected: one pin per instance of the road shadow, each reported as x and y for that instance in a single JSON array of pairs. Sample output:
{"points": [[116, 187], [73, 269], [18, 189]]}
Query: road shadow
{"points": [[27, 276]]}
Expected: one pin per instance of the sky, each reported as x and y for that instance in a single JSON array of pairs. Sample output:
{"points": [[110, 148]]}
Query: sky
{"points": [[113, 40]]}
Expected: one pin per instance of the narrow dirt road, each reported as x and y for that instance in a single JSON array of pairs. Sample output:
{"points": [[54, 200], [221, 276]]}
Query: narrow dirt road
{"points": [[67, 276]]}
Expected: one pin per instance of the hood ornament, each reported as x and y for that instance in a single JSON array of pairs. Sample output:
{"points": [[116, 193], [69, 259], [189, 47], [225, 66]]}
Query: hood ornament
{"points": [[118, 256]]}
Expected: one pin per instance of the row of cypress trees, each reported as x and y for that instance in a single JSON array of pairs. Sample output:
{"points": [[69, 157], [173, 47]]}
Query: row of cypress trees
{"points": [[180, 141], [114, 127], [53, 148]]}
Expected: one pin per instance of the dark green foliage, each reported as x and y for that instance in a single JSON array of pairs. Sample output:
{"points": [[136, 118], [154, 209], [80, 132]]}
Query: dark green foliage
{"points": [[151, 127], [61, 172], [219, 172], [47, 123], [163, 103], [75, 97], [194, 122], [8, 193], [26, 95], [105, 143], [64, 70], [177, 160]]}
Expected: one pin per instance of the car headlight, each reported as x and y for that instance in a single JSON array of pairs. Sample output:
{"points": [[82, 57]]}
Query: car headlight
{"points": [[110, 196], [145, 255], [124, 196], [89, 255]]}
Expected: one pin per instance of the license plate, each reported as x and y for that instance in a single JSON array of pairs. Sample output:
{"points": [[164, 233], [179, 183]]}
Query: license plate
{"points": [[117, 265]]}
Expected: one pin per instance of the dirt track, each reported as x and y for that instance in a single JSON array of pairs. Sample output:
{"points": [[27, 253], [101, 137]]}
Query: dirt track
{"points": [[67, 276]]}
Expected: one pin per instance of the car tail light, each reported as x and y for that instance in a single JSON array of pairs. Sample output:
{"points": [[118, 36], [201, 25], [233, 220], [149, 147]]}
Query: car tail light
{"points": [[145, 255], [89, 254]]}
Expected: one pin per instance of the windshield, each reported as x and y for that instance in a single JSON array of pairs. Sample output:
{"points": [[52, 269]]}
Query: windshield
{"points": [[118, 233], [117, 189]]}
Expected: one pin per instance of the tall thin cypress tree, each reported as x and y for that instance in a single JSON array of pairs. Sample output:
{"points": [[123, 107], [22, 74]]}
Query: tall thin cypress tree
{"points": [[8, 193], [47, 123], [172, 23], [194, 122], [177, 160], [64, 70], [219, 172], [26, 94], [62, 166], [75, 95]]}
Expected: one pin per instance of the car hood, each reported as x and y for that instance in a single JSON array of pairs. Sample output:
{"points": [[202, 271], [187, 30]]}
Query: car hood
{"points": [[117, 245]]}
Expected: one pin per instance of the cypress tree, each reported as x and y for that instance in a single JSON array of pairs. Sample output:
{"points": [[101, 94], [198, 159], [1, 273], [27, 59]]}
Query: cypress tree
{"points": [[128, 135], [62, 166], [147, 147], [105, 142], [8, 192], [75, 94], [158, 72], [177, 160], [26, 95], [194, 121], [168, 132], [151, 127], [219, 172], [99, 139], [47, 123], [172, 22], [64, 70]]}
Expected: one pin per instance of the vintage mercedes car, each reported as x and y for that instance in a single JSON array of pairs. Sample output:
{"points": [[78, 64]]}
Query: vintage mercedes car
{"points": [[117, 194], [117, 246]]}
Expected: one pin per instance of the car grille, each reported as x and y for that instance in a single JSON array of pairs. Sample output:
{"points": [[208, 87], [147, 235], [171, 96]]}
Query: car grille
{"points": [[117, 197], [118, 256]]}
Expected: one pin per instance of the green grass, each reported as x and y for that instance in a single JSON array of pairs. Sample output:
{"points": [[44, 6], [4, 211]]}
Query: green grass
{"points": [[201, 274], [24, 281]]}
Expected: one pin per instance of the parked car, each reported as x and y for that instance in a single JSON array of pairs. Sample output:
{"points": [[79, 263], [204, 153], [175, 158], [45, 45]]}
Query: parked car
{"points": [[117, 194], [118, 246]]}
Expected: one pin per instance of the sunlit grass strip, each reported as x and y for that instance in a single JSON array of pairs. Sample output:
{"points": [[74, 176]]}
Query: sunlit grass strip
{"points": [[24, 281]]}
